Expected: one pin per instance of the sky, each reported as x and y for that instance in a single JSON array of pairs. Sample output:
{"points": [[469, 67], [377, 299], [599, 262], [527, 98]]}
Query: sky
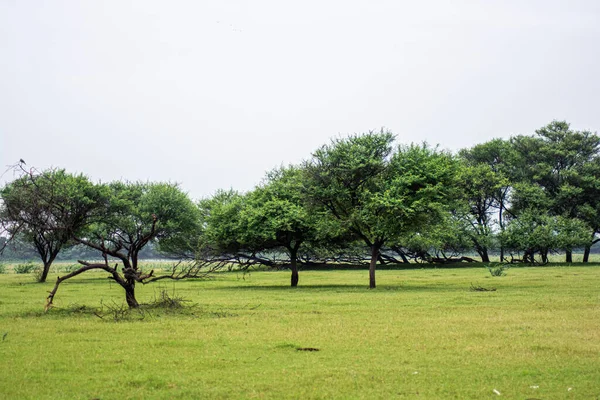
{"points": [[213, 94]]}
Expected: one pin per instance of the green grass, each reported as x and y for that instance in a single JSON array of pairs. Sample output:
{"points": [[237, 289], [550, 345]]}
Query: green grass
{"points": [[422, 333]]}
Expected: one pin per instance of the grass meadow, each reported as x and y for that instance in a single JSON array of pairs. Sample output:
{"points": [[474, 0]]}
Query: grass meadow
{"points": [[423, 333]]}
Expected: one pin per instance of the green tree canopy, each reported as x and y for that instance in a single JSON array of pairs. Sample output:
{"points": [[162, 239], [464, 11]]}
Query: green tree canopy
{"points": [[48, 209], [379, 194]]}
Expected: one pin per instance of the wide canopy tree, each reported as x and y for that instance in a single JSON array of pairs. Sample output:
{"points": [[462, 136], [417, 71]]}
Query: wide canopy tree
{"points": [[562, 162], [136, 214], [277, 216], [378, 192]]}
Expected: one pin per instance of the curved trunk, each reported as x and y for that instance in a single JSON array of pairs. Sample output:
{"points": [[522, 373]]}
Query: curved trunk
{"points": [[47, 264], [45, 271], [485, 257], [130, 295], [544, 255], [586, 253]]}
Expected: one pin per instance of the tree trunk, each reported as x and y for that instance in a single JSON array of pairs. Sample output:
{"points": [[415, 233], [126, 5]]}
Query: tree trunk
{"points": [[586, 253], [374, 255], [501, 253], [569, 256], [47, 265], [485, 257], [45, 271], [528, 256], [294, 266], [130, 295]]}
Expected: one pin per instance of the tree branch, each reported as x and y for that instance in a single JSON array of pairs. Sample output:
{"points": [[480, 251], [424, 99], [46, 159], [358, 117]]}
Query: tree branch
{"points": [[86, 267]]}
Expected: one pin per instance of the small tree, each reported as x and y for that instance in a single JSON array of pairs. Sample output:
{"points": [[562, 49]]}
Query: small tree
{"points": [[277, 216]]}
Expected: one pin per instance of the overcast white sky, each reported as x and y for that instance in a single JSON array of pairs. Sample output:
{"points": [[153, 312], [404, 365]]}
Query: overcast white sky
{"points": [[212, 94]]}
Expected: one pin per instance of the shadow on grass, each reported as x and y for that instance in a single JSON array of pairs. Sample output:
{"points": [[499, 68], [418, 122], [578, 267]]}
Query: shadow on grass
{"points": [[336, 288], [415, 266], [391, 267]]}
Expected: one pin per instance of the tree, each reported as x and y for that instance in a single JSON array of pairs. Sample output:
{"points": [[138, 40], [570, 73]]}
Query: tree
{"points": [[588, 208], [272, 217], [277, 216], [534, 233], [376, 193], [222, 228], [561, 162], [135, 215], [47, 209], [481, 186], [487, 177]]}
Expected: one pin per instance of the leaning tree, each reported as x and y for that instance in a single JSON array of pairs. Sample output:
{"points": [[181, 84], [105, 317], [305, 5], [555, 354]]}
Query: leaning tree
{"points": [[136, 214]]}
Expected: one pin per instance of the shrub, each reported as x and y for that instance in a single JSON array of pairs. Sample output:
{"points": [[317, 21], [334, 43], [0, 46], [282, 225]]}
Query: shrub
{"points": [[25, 268], [497, 269], [2, 268]]}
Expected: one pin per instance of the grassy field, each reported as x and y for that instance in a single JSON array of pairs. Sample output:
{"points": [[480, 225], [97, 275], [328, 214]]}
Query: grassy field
{"points": [[423, 333]]}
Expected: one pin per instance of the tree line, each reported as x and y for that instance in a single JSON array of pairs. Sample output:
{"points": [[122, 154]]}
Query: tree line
{"points": [[358, 199]]}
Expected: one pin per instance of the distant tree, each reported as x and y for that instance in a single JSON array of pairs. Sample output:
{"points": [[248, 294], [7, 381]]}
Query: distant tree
{"points": [[534, 233], [222, 227], [477, 214], [562, 162], [46, 210], [376, 193], [587, 188], [487, 186]]}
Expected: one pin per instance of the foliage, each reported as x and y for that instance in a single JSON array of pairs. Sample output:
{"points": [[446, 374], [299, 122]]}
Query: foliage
{"points": [[47, 209], [25, 268], [497, 269], [557, 170], [2, 268], [533, 232], [378, 194], [484, 173], [136, 214]]}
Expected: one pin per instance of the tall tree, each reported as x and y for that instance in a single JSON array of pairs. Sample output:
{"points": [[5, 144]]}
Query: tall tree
{"points": [[376, 193], [558, 160]]}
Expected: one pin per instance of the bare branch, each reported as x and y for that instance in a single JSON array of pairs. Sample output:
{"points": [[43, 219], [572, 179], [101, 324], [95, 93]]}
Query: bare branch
{"points": [[86, 267]]}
